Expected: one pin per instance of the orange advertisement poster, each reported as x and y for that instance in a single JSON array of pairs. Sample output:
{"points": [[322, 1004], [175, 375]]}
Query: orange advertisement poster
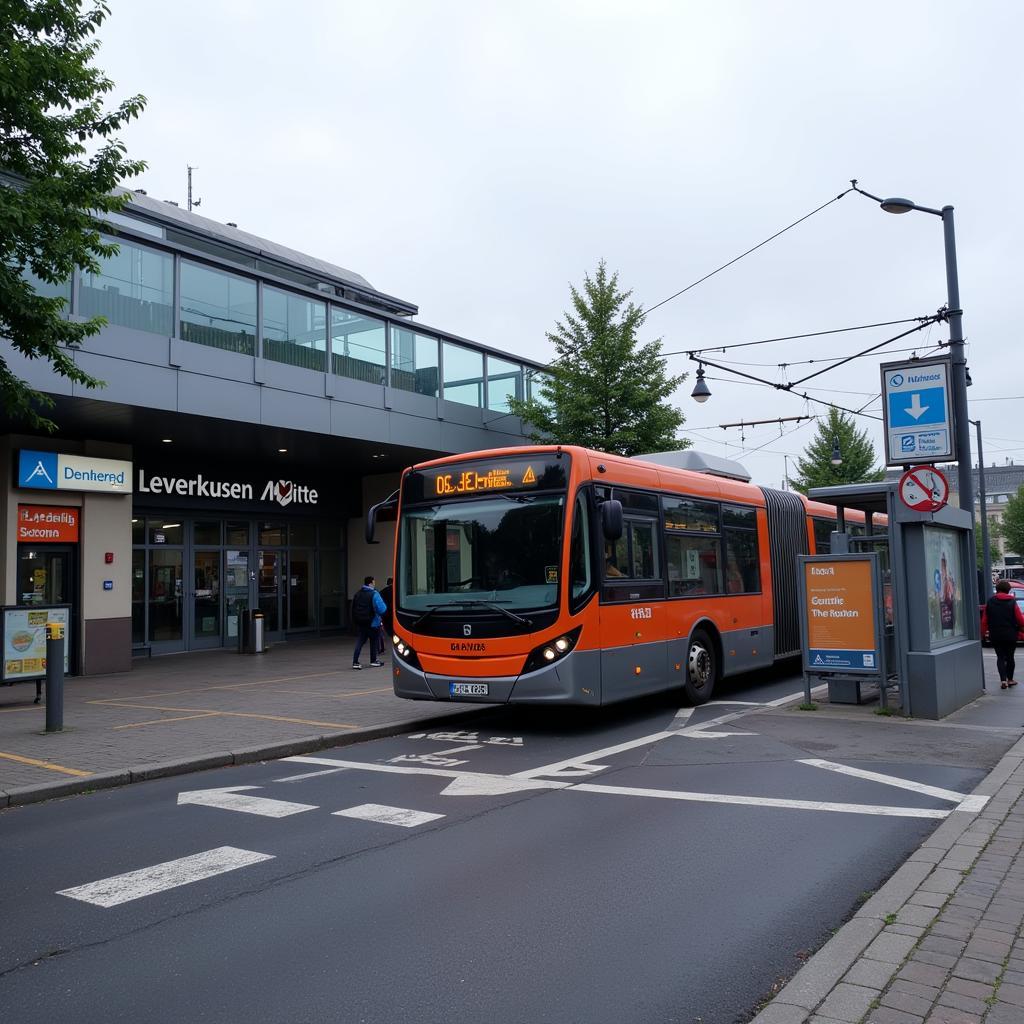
{"points": [[47, 524], [840, 614]]}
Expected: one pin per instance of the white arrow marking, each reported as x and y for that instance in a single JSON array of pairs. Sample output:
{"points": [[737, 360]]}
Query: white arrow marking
{"points": [[388, 815], [110, 892], [494, 785], [228, 798], [917, 410]]}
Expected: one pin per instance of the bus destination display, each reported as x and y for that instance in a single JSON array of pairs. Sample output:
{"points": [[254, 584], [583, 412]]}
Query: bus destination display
{"points": [[465, 479]]}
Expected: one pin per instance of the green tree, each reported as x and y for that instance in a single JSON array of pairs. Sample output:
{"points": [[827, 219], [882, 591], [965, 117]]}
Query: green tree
{"points": [[815, 469], [1012, 526], [605, 389], [60, 162]]}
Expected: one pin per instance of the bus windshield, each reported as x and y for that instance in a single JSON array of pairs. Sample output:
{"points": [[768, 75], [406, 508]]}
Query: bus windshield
{"points": [[502, 550]]}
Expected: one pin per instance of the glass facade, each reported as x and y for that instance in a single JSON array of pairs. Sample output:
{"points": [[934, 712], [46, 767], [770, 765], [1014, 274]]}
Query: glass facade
{"points": [[414, 365], [194, 577], [504, 381], [134, 288], [49, 291], [218, 309], [294, 329], [463, 375], [358, 346]]}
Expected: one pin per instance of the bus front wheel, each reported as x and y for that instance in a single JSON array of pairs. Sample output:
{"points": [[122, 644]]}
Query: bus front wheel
{"points": [[701, 668]]}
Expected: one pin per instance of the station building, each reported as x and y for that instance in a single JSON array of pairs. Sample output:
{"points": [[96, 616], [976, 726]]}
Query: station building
{"points": [[256, 401]]}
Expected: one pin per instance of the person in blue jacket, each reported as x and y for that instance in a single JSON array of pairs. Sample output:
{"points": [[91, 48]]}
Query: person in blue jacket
{"points": [[367, 608]]}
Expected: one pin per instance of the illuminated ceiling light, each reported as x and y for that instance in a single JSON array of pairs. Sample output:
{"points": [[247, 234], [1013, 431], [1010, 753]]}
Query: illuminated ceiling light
{"points": [[167, 440], [282, 451]]}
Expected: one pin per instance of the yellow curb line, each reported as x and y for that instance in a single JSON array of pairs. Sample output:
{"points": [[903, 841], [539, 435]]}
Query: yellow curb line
{"points": [[43, 764], [229, 714]]}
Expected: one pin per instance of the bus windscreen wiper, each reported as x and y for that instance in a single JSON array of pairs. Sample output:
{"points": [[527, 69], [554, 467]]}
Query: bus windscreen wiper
{"points": [[474, 604]]}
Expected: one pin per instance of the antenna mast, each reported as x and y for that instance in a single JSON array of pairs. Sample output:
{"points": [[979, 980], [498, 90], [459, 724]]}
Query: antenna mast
{"points": [[197, 202]]}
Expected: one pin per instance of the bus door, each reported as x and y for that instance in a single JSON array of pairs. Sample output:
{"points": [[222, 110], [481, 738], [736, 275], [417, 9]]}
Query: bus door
{"points": [[633, 624]]}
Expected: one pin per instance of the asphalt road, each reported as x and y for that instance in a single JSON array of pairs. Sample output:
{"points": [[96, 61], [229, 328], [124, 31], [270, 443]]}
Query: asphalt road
{"points": [[626, 865]]}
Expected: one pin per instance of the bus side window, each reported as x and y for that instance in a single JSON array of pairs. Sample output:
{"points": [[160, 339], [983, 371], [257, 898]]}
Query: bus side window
{"points": [[635, 554], [823, 536], [645, 557], [742, 572], [579, 551]]}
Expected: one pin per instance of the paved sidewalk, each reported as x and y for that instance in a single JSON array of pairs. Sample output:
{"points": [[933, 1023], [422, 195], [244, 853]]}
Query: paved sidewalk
{"points": [[941, 941], [190, 711]]}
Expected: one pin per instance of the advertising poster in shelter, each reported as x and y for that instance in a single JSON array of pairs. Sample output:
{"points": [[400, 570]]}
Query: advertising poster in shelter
{"points": [[25, 641], [947, 611], [840, 615]]}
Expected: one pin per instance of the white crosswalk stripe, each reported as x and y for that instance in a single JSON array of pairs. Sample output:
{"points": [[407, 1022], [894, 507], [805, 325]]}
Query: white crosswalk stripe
{"points": [[388, 815], [133, 885]]}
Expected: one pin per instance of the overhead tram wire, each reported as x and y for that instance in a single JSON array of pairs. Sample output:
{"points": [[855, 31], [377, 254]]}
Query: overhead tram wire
{"points": [[736, 259], [800, 337]]}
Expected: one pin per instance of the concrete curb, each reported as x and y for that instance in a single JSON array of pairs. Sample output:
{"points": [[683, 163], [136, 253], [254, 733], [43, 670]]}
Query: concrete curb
{"points": [[809, 987], [223, 759]]}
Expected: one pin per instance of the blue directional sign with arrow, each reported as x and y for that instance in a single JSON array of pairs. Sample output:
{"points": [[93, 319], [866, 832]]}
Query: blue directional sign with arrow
{"points": [[918, 413]]}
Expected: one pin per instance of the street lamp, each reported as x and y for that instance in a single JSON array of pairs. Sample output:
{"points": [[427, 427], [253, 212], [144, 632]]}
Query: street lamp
{"points": [[837, 455], [701, 392], [956, 342]]}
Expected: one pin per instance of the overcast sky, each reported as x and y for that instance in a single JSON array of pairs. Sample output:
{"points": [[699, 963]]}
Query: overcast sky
{"points": [[477, 157]]}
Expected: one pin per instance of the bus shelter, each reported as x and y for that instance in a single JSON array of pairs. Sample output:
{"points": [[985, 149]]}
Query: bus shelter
{"points": [[929, 595]]}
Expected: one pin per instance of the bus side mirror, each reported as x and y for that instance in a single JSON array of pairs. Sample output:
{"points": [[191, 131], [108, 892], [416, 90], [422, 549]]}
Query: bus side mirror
{"points": [[611, 519], [371, 525], [389, 504]]}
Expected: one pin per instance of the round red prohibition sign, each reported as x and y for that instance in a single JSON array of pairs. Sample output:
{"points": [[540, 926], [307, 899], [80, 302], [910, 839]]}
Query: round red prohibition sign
{"points": [[924, 489]]}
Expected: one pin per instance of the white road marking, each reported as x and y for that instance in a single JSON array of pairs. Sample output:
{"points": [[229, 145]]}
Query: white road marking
{"points": [[700, 734], [581, 763], [488, 785], [890, 780], [309, 775], [682, 716], [388, 815], [229, 798], [444, 773], [735, 703], [111, 892], [764, 801]]}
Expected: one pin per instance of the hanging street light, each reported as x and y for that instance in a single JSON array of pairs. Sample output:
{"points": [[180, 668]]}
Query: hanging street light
{"points": [[837, 455], [701, 392]]}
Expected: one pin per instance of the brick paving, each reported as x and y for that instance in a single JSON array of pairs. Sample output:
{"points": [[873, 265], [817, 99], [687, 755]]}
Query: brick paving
{"points": [[941, 942], [183, 712]]}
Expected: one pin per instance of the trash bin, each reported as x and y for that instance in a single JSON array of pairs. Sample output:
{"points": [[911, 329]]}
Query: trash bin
{"points": [[250, 633]]}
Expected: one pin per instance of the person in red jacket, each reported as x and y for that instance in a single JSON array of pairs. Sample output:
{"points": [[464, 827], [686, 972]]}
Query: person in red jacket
{"points": [[1002, 619]]}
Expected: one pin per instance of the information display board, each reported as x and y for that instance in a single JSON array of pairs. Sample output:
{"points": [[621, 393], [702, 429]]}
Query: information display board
{"points": [[917, 411], [24, 640], [841, 613]]}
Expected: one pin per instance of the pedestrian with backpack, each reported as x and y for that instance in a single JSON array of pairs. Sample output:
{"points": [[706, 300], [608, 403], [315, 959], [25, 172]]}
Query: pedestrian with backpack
{"points": [[367, 608]]}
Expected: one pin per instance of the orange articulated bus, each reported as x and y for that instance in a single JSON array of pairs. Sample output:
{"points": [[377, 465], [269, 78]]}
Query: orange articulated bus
{"points": [[553, 574]]}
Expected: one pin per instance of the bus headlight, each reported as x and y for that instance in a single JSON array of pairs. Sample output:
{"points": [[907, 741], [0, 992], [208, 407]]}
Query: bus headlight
{"points": [[552, 651], [404, 651]]}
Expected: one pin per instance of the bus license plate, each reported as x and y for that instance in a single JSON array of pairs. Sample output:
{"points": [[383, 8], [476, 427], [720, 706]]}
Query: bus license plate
{"points": [[467, 690]]}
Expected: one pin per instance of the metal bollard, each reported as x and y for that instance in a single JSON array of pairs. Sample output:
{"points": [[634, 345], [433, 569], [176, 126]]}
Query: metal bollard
{"points": [[54, 676], [257, 633]]}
